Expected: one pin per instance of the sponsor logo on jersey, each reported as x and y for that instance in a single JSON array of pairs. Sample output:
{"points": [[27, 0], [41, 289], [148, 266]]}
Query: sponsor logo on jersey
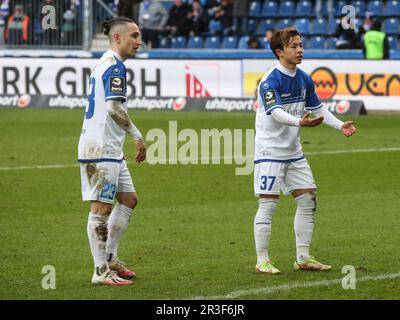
{"points": [[284, 95], [304, 93], [117, 85], [270, 98]]}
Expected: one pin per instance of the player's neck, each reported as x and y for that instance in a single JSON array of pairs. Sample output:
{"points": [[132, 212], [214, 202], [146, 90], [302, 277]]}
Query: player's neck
{"points": [[289, 66], [118, 54]]}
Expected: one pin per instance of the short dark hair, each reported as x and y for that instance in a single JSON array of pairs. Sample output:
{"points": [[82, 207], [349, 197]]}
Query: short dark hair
{"points": [[281, 38], [107, 25], [376, 24]]}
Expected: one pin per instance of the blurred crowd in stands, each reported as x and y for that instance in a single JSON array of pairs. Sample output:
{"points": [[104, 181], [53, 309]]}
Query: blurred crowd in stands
{"points": [[250, 23], [21, 22]]}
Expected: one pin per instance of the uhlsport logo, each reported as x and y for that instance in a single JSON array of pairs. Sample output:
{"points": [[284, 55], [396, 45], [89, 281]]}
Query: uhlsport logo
{"points": [[342, 106], [325, 82], [24, 101], [179, 104]]}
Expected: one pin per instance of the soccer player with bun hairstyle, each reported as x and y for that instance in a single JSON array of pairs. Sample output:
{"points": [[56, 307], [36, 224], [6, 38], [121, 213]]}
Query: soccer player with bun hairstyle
{"points": [[287, 98], [104, 173]]}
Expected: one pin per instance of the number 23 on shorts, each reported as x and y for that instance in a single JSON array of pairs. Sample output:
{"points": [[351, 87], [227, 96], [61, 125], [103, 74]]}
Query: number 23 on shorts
{"points": [[267, 182]]}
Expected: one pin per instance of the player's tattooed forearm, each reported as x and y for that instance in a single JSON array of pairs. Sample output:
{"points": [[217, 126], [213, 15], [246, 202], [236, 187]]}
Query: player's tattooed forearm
{"points": [[120, 115]]}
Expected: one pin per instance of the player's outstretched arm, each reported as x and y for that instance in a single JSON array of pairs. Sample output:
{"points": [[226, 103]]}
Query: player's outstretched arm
{"points": [[118, 113], [347, 128]]}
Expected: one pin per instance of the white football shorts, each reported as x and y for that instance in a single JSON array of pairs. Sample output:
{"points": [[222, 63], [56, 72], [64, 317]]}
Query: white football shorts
{"points": [[272, 177], [101, 180]]}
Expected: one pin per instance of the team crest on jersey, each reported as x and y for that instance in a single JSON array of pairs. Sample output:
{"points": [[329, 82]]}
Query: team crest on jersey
{"points": [[117, 71], [117, 84], [270, 98], [304, 93]]}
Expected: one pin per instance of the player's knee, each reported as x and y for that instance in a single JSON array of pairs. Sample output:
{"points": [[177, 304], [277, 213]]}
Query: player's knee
{"points": [[266, 208], [101, 208], [131, 201], [307, 201]]}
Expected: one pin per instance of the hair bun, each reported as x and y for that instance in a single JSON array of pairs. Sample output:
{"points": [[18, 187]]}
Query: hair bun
{"points": [[106, 27]]}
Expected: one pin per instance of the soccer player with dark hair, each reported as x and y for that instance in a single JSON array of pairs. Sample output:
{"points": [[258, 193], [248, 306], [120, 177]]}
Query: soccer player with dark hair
{"points": [[104, 172], [287, 97]]}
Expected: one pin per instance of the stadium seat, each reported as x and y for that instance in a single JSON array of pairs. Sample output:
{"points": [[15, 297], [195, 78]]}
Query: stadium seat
{"points": [[391, 26], [269, 9], [212, 43], [167, 4], [264, 25], [392, 42], [376, 7], [243, 42], [251, 26], [339, 5], [229, 42], [303, 26], [214, 26], [331, 43], [284, 23], [316, 43], [324, 9], [264, 42], [195, 42], [254, 9], [332, 25], [286, 9], [319, 26], [304, 9], [392, 9], [178, 43], [360, 8], [164, 43]]}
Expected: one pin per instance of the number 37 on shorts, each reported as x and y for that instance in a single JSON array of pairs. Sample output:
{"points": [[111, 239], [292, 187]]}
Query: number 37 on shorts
{"points": [[267, 182]]}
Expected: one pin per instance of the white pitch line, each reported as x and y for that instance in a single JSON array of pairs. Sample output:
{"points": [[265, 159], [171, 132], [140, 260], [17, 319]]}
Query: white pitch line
{"points": [[289, 287], [211, 159], [50, 166]]}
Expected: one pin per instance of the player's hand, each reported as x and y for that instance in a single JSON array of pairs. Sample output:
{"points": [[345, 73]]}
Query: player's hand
{"points": [[348, 128], [308, 121], [140, 151]]}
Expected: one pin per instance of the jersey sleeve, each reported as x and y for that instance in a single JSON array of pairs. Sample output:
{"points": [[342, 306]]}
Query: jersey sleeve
{"points": [[313, 102], [270, 96], [114, 81]]}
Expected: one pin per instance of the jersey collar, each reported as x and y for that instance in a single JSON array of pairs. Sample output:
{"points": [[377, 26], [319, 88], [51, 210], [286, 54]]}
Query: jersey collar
{"points": [[290, 73]]}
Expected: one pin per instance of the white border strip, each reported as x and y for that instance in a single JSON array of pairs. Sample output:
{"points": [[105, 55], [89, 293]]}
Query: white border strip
{"points": [[290, 287], [165, 161]]}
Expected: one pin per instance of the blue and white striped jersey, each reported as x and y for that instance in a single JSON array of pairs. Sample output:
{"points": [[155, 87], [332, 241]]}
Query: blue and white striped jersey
{"points": [[294, 92], [101, 138]]}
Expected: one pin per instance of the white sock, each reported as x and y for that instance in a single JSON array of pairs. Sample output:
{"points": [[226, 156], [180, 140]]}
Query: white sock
{"points": [[117, 225], [97, 234], [262, 227], [304, 225]]}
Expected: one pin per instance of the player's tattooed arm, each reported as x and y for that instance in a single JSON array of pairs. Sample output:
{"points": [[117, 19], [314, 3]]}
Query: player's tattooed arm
{"points": [[121, 117]]}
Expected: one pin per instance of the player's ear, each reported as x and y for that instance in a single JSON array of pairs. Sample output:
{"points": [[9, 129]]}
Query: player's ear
{"points": [[117, 38]]}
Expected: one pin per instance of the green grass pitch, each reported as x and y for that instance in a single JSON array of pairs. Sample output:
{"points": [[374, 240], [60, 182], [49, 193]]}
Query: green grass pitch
{"points": [[192, 232]]}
